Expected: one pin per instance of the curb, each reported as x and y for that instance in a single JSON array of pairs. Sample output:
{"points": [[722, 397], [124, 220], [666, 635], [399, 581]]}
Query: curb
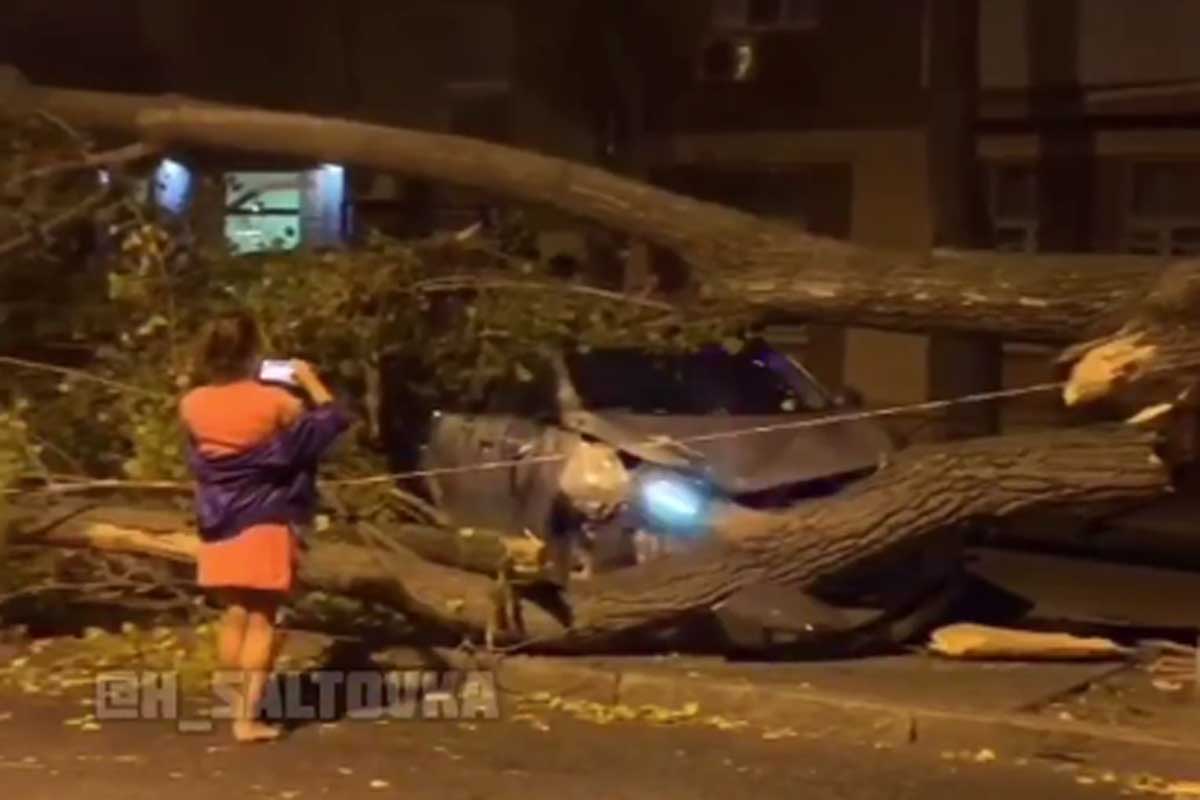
{"points": [[826, 715]]}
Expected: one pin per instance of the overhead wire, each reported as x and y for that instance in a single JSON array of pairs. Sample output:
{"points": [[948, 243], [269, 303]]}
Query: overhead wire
{"points": [[824, 420]]}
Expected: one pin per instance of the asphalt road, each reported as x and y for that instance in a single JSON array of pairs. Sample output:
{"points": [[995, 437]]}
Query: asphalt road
{"points": [[548, 755]]}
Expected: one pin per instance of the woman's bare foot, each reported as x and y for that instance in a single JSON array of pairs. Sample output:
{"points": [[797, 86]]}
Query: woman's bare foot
{"points": [[247, 731]]}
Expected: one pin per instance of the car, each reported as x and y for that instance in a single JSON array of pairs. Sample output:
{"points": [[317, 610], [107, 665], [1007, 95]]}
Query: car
{"points": [[691, 429]]}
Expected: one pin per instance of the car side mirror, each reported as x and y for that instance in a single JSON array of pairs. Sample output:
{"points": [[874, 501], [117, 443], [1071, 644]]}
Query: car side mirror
{"points": [[848, 397]]}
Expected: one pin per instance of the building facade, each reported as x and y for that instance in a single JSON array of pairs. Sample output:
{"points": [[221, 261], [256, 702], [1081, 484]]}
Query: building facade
{"points": [[1084, 129]]}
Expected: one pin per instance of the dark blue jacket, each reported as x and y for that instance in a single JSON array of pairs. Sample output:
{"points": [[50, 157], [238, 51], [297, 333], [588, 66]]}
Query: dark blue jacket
{"points": [[274, 482]]}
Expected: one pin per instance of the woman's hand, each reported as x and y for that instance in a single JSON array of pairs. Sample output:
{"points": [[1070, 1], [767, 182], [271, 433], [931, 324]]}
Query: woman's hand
{"points": [[310, 382]]}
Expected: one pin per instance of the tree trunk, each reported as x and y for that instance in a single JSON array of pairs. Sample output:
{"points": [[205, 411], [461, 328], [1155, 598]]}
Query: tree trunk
{"points": [[738, 258], [923, 493], [471, 549]]}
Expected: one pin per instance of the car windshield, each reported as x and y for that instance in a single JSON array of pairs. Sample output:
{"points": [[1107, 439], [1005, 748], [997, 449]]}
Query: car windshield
{"points": [[695, 384]]}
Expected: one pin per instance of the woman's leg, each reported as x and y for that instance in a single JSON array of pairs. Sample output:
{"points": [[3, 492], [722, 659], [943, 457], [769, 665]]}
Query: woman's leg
{"points": [[231, 631], [256, 661], [231, 635]]}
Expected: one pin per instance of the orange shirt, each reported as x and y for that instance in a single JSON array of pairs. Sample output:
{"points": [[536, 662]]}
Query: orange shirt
{"points": [[226, 419], [232, 417]]}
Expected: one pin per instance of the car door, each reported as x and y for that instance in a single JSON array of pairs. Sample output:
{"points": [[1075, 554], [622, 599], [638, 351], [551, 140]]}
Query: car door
{"points": [[488, 448]]}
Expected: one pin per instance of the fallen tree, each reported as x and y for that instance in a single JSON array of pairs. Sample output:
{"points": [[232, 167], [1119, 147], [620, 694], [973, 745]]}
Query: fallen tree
{"points": [[923, 493], [737, 259], [1132, 314]]}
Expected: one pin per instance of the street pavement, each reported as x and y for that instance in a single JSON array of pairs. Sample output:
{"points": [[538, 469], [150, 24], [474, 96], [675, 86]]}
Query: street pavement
{"points": [[524, 755]]}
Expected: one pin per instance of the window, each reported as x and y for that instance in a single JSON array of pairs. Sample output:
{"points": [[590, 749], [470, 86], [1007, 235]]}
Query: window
{"points": [[1013, 207], [532, 392], [729, 59], [262, 210], [734, 53], [172, 186], [697, 384], [1163, 209], [760, 15]]}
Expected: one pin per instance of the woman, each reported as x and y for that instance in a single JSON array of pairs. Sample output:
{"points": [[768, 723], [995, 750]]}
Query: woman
{"points": [[253, 450]]}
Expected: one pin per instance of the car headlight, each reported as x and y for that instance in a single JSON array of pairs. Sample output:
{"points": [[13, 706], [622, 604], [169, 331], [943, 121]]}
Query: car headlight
{"points": [[674, 504]]}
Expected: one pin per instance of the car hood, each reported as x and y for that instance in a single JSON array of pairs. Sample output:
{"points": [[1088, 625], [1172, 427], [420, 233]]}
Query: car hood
{"points": [[751, 461]]}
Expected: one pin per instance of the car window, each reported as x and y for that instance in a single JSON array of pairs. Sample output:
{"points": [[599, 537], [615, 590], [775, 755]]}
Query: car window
{"points": [[713, 381], [532, 394]]}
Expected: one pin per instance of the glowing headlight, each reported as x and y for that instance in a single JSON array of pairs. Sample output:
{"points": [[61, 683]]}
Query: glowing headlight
{"points": [[674, 503]]}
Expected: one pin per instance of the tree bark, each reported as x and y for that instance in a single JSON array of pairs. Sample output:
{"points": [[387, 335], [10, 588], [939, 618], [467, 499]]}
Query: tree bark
{"points": [[923, 493], [470, 549], [1155, 351], [738, 258]]}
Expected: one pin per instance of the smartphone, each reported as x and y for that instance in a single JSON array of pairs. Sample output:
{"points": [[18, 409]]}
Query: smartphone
{"points": [[277, 371]]}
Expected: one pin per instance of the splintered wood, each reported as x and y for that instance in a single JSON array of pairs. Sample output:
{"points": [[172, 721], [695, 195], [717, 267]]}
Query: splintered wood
{"points": [[980, 642], [1103, 368]]}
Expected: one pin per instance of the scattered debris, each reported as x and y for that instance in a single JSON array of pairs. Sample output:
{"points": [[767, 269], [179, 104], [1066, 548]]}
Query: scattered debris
{"points": [[64, 665], [1161, 787], [970, 641], [447, 752], [779, 733], [984, 756], [604, 714], [1063, 756], [725, 724]]}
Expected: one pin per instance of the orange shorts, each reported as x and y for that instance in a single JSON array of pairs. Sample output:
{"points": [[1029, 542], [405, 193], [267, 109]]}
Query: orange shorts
{"points": [[260, 557]]}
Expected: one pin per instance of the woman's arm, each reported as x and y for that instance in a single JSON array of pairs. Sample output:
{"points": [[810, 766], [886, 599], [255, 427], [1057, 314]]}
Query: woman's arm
{"points": [[312, 384], [303, 444], [314, 431]]}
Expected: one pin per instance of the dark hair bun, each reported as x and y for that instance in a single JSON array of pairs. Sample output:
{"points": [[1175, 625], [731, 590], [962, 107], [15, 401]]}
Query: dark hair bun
{"points": [[227, 348]]}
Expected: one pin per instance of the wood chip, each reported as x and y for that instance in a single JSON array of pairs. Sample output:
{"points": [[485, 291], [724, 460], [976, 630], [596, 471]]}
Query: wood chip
{"points": [[969, 641]]}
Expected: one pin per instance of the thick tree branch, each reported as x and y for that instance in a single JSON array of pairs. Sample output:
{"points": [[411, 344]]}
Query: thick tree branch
{"points": [[128, 154], [741, 259], [923, 493]]}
